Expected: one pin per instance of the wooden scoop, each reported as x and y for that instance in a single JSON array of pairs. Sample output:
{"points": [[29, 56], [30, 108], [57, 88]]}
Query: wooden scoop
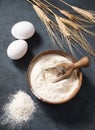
{"points": [[70, 67]]}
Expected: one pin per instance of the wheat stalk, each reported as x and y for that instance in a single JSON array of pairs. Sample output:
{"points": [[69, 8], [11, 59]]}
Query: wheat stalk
{"points": [[70, 28], [51, 27], [68, 14], [73, 35], [89, 15], [40, 5], [76, 29]]}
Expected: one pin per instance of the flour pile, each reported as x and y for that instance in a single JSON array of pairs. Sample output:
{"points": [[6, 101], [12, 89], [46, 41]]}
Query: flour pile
{"points": [[19, 109], [41, 80]]}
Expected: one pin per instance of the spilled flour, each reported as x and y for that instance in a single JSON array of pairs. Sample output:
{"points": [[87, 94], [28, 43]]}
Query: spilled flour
{"points": [[41, 80], [19, 109]]}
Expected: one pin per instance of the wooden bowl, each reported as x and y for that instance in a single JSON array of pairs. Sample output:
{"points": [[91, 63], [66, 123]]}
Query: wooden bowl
{"points": [[32, 63]]}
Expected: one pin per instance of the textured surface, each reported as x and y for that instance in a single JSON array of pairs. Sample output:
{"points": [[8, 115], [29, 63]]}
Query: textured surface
{"points": [[79, 113]]}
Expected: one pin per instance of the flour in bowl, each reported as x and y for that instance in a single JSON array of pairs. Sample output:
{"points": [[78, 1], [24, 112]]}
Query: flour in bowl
{"points": [[41, 80]]}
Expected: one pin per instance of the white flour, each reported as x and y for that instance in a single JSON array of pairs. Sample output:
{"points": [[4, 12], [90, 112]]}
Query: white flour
{"points": [[41, 80], [18, 110]]}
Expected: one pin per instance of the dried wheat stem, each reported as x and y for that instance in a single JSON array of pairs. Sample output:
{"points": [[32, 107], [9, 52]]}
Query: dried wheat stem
{"points": [[43, 6], [75, 26], [68, 14], [65, 3], [88, 15], [71, 31], [51, 27], [38, 2], [74, 18]]}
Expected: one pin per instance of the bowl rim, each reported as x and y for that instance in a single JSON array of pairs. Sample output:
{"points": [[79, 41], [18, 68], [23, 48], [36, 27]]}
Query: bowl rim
{"points": [[62, 53]]}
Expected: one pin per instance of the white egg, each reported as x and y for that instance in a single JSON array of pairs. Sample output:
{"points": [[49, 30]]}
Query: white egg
{"points": [[23, 30], [17, 49]]}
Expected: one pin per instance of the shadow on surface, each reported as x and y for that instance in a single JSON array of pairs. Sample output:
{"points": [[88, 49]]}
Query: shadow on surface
{"points": [[33, 43], [79, 110]]}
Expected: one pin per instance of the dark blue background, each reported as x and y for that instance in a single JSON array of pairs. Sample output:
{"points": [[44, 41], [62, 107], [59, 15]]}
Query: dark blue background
{"points": [[77, 114]]}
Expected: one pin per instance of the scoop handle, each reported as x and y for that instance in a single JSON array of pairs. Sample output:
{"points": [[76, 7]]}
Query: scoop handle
{"points": [[84, 62]]}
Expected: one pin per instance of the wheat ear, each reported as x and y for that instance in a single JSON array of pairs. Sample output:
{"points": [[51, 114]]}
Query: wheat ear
{"points": [[71, 31], [73, 35], [51, 27], [87, 14], [68, 14]]}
